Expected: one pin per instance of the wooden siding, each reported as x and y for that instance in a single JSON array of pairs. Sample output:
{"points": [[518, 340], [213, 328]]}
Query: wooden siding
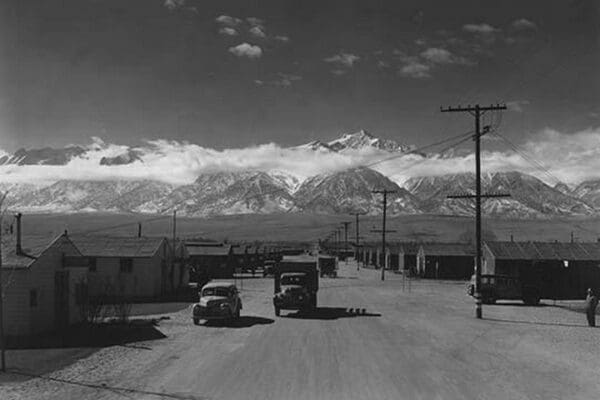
{"points": [[20, 319], [149, 276]]}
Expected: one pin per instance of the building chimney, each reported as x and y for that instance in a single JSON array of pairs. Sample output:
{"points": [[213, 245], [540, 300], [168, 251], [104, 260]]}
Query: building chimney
{"points": [[19, 247]]}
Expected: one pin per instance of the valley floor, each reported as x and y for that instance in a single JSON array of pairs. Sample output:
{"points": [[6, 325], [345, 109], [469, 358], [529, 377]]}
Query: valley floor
{"points": [[292, 227]]}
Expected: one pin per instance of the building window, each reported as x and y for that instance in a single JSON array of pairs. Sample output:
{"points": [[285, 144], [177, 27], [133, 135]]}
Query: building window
{"points": [[33, 298], [92, 263], [126, 265]]}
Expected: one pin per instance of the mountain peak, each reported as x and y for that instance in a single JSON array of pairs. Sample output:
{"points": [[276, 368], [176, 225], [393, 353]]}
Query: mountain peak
{"points": [[364, 139], [316, 145]]}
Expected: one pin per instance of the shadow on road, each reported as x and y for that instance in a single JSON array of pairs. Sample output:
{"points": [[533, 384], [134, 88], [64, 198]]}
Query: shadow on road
{"points": [[96, 335], [582, 325], [332, 313], [245, 321]]}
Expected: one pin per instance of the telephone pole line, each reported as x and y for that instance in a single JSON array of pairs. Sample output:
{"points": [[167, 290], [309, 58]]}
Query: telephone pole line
{"points": [[385, 192], [477, 111]]}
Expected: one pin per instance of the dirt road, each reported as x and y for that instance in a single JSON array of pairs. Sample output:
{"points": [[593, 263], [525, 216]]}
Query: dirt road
{"points": [[368, 340]]}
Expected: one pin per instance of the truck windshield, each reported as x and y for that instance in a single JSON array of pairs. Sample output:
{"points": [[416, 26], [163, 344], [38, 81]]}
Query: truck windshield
{"points": [[292, 280], [215, 291]]}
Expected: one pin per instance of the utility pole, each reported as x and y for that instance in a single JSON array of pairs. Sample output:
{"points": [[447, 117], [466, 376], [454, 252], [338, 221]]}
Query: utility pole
{"points": [[383, 231], [139, 229], [2, 343], [174, 250], [336, 242], [339, 235], [477, 111], [356, 253], [346, 240]]}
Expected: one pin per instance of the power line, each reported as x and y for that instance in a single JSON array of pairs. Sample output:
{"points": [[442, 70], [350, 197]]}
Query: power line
{"points": [[111, 227], [535, 163], [417, 151]]}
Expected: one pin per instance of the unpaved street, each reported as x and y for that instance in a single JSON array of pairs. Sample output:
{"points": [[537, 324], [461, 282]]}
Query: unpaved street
{"points": [[422, 344]]}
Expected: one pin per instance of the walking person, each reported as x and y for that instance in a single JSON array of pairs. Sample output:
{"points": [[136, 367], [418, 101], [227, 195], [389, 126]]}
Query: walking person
{"points": [[591, 302]]}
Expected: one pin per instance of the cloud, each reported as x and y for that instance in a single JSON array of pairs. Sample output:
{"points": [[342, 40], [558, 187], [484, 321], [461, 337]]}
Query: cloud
{"points": [[282, 38], [523, 24], [343, 59], [229, 21], [281, 80], [228, 31], [572, 157], [253, 21], [438, 55], [416, 70], [172, 5], [258, 31], [338, 72], [383, 64], [516, 105], [484, 29], [246, 50]]}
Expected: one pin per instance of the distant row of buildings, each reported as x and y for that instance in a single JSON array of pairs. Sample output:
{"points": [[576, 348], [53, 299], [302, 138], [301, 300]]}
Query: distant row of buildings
{"points": [[564, 268], [428, 260]]}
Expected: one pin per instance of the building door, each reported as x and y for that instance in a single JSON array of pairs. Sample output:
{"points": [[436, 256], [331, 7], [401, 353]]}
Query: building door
{"points": [[61, 299]]}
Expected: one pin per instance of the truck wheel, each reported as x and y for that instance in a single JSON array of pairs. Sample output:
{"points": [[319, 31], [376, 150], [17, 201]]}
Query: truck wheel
{"points": [[277, 311], [196, 321]]}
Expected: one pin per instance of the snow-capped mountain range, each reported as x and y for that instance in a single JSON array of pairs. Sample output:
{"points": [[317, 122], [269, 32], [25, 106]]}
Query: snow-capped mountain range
{"points": [[272, 191]]}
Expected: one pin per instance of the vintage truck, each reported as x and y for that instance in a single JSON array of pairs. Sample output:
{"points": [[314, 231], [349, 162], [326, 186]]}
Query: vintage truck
{"points": [[218, 300], [328, 266], [296, 284], [504, 287]]}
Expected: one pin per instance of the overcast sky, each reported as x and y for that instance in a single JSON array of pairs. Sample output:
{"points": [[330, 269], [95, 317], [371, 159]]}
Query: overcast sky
{"points": [[226, 74]]}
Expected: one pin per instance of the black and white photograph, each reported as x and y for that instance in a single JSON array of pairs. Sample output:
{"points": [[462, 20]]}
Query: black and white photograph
{"points": [[299, 199]]}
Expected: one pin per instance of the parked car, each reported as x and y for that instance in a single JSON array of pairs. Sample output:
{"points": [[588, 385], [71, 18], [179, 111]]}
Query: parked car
{"points": [[218, 300], [503, 287]]}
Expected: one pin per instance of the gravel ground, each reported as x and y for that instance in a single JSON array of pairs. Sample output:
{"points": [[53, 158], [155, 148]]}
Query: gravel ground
{"points": [[368, 340]]}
